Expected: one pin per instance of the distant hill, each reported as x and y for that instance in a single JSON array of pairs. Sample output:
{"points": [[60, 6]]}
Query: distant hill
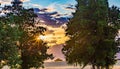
{"points": [[58, 60]]}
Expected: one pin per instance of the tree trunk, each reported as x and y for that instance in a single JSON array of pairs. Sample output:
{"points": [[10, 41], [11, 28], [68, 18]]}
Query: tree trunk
{"points": [[93, 66], [24, 62], [98, 67], [107, 67], [102, 67]]}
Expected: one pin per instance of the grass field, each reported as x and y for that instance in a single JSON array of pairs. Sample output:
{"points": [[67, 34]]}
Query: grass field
{"points": [[64, 65]]}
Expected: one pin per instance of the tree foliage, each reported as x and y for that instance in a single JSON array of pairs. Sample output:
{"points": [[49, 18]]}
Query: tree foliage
{"points": [[33, 50], [92, 37], [9, 34], [20, 46]]}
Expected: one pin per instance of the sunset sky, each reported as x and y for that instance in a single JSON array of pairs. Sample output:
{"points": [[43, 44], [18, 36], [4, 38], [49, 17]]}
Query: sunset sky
{"points": [[53, 15]]}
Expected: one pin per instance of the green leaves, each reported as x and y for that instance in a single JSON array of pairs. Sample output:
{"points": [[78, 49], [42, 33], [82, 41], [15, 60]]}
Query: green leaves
{"points": [[92, 38], [8, 47], [18, 46]]}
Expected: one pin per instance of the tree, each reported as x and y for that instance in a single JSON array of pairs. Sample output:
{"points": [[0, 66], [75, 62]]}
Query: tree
{"points": [[9, 34], [31, 51], [92, 38], [110, 33], [114, 16]]}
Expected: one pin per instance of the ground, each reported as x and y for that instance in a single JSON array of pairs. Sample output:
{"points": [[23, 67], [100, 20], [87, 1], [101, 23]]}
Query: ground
{"points": [[63, 65]]}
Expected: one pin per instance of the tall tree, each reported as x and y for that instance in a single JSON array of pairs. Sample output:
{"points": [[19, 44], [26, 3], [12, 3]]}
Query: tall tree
{"points": [[92, 39], [31, 50]]}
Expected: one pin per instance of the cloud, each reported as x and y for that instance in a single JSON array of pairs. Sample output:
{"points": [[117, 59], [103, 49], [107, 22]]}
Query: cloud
{"points": [[57, 52], [25, 0], [32, 5], [60, 10], [71, 8], [51, 7], [54, 35], [54, 18], [36, 5], [51, 18], [55, 24], [48, 9], [2, 14], [5, 1], [57, 37], [67, 9]]}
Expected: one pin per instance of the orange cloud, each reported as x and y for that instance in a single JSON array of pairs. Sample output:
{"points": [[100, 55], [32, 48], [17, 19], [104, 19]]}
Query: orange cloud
{"points": [[24, 0]]}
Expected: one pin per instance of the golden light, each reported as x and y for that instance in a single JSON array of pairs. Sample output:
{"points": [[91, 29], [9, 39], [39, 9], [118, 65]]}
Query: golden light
{"points": [[53, 35], [38, 38], [41, 37]]}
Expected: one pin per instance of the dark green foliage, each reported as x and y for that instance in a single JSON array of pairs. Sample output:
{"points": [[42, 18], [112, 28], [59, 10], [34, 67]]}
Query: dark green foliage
{"points": [[8, 48], [18, 45], [34, 55], [33, 51], [114, 16], [92, 38]]}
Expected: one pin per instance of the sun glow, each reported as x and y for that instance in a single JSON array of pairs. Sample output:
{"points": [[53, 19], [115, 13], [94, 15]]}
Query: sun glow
{"points": [[53, 35], [38, 38], [42, 37]]}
